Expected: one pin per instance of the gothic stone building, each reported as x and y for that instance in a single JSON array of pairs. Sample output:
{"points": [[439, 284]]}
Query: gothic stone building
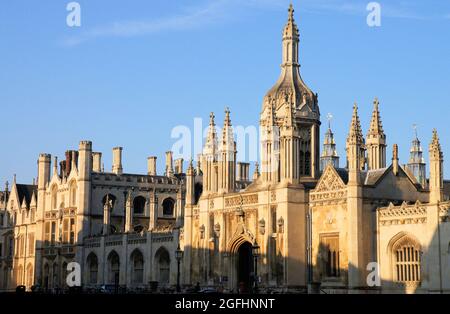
{"points": [[122, 229], [315, 225], [311, 221]]}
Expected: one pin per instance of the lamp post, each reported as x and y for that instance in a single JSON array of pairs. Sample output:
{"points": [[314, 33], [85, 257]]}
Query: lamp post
{"points": [[256, 253], [179, 257]]}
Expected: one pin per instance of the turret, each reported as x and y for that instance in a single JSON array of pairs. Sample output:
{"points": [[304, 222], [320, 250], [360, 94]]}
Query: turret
{"points": [[190, 184], [208, 162], [436, 184], [355, 239], [227, 157], [329, 153], [376, 141], [416, 163], [355, 145], [297, 116]]}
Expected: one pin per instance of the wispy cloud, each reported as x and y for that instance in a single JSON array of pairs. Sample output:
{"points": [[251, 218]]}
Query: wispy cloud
{"points": [[192, 18], [215, 11], [401, 10]]}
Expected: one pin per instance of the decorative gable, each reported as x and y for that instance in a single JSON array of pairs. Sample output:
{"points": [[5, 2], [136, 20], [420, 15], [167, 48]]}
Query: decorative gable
{"points": [[329, 181], [330, 187]]}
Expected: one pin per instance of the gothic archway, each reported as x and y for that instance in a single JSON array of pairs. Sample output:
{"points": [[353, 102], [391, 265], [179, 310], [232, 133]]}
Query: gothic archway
{"points": [[244, 267]]}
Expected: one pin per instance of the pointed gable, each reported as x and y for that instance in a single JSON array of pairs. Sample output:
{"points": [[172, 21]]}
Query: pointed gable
{"points": [[330, 180]]}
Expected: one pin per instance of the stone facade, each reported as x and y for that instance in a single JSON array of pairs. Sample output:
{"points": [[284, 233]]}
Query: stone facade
{"points": [[299, 221], [121, 228]]}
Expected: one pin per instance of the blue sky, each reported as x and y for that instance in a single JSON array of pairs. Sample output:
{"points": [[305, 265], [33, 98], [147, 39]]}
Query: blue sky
{"points": [[132, 72]]}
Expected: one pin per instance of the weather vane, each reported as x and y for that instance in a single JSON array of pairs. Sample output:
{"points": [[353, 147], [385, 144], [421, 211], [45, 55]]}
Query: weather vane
{"points": [[415, 129], [329, 118]]}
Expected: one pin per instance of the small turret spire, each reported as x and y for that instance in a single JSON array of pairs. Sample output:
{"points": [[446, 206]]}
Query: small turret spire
{"points": [[436, 185], [329, 152], [376, 128], [416, 163], [355, 134]]}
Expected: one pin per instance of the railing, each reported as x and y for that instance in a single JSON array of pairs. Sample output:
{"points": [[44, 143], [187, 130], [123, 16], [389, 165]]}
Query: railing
{"points": [[137, 238]]}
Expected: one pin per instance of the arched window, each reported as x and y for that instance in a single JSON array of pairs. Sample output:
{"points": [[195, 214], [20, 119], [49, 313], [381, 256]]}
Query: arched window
{"points": [[55, 275], [168, 205], [46, 276], [73, 194], [113, 268], [54, 192], [406, 255], [139, 205], [5, 275], [64, 273], [19, 275], [137, 267], [162, 259], [92, 263], [30, 278]]}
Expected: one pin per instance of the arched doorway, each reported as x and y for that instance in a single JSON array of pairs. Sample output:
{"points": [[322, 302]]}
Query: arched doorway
{"points": [[245, 267]]}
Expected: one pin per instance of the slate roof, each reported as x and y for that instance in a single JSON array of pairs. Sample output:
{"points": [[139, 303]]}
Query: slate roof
{"points": [[26, 191]]}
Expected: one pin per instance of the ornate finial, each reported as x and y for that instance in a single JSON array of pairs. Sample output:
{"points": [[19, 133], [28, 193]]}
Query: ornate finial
{"points": [[291, 12], [376, 127], [435, 139], [329, 118], [211, 119], [355, 133], [395, 152], [227, 117], [14, 179], [415, 129]]}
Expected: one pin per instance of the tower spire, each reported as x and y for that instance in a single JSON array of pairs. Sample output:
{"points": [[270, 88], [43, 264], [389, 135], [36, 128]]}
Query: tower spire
{"points": [[376, 140], [436, 169], [376, 128], [290, 40], [355, 143], [416, 163], [329, 153]]}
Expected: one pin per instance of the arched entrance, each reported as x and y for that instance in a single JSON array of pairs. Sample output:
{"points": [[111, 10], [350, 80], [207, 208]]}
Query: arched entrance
{"points": [[245, 267]]}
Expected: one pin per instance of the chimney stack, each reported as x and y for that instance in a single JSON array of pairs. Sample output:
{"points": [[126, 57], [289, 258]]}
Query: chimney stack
{"points": [[243, 169], [169, 164], [151, 166], [97, 161], [179, 166], [395, 159], [117, 160]]}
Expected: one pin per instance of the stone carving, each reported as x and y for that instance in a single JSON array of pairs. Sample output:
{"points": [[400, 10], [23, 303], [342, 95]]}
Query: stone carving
{"points": [[202, 231], [241, 200], [217, 230], [403, 214], [262, 226], [330, 181], [280, 225]]}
